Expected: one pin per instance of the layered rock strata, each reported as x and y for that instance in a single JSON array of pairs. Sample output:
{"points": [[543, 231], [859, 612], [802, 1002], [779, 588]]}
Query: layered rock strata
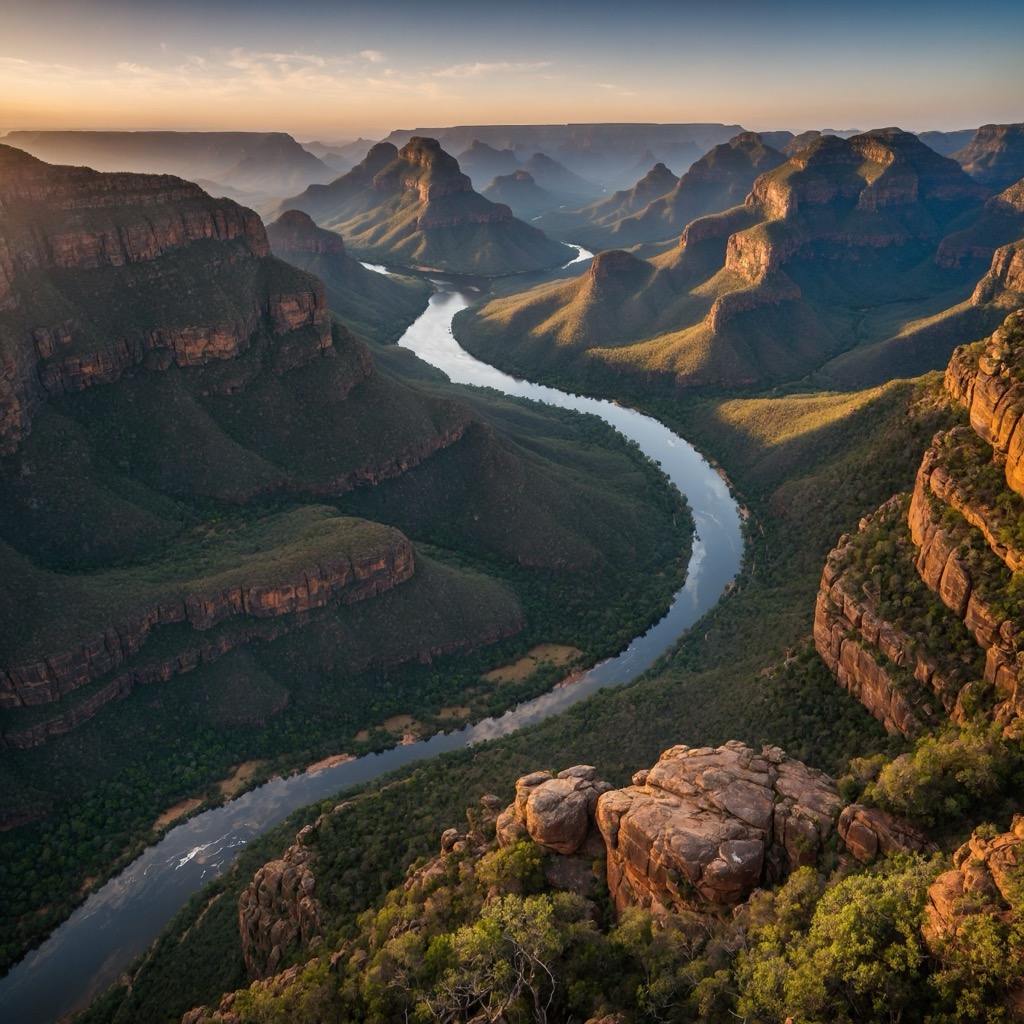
{"points": [[346, 578], [414, 206], [963, 518], [75, 220]]}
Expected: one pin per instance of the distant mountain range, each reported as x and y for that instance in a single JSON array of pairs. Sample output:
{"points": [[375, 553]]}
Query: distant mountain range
{"points": [[255, 163], [818, 263], [415, 207]]}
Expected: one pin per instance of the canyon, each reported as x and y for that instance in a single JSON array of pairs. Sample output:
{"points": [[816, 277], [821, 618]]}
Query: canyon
{"points": [[916, 616]]}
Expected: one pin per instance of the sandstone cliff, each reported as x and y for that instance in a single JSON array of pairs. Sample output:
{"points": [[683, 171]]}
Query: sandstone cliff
{"points": [[279, 909], [711, 825], [66, 219], [341, 576], [995, 155], [962, 521]]}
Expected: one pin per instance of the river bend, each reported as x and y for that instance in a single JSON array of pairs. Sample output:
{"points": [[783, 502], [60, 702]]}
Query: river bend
{"points": [[88, 951]]}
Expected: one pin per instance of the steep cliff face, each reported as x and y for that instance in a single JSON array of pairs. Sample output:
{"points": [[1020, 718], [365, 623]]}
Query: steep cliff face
{"points": [[341, 576], [79, 225], [1003, 285], [962, 520]]}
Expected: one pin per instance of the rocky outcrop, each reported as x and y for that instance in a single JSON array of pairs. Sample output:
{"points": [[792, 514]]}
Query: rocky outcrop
{"points": [[556, 812], [963, 524], [423, 167], [708, 825], [342, 578], [279, 911], [703, 826], [985, 882], [887, 668], [951, 575], [984, 379], [413, 206], [1003, 285], [935, 477], [879, 170], [869, 833], [985, 879]]}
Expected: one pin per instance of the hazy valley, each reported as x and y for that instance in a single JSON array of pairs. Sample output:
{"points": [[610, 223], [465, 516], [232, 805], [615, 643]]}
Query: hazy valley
{"points": [[242, 530]]}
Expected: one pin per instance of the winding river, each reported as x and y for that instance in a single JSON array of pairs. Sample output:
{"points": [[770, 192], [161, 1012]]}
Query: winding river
{"points": [[86, 953]]}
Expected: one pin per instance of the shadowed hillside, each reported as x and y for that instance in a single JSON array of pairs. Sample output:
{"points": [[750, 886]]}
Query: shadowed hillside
{"points": [[229, 534]]}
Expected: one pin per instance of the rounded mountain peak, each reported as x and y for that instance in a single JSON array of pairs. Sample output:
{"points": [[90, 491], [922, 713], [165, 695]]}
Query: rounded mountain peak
{"points": [[379, 156], [614, 263], [746, 139], [295, 231], [435, 172]]}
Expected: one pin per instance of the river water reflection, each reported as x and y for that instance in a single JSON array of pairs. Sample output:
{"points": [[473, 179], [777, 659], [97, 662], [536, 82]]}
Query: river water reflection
{"points": [[88, 951]]}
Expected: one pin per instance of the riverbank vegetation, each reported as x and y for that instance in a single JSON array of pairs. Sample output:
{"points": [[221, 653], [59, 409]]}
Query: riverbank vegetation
{"points": [[533, 527], [747, 670]]}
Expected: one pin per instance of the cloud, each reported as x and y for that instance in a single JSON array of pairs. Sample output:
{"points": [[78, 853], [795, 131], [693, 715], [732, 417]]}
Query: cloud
{"points": [[481, 68], [242, 60], [373, 56]]}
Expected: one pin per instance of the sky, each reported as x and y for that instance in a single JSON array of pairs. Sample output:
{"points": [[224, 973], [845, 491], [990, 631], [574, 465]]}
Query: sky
{"points": [[338, 70]]}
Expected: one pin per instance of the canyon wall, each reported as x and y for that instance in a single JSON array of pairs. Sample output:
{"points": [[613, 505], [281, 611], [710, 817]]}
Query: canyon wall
{"points": [[962, 519]]}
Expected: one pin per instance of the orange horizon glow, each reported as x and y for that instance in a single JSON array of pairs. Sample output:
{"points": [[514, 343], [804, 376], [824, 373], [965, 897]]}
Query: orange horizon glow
{"points": [[318, 72]]}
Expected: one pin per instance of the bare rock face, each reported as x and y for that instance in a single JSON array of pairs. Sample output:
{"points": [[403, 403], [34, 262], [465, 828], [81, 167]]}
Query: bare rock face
{"points": [[869, 833], [278, 910], [848, 631], [709, 825], [556, 812], [987, 385], [985, 879], [1003, 285], [347, 578], [964, 546]]}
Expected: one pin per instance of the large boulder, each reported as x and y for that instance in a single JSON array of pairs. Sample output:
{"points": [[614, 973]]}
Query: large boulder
{"points": [[556, 812], [709, 825]]}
